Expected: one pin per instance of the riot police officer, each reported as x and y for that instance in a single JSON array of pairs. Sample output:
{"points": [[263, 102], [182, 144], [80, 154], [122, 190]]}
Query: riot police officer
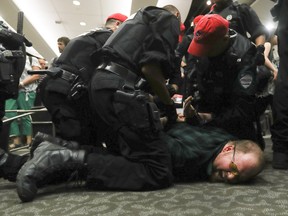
{"points": [[242, 18], [65, 93], [279, 129], [226, 76], [12, 63], [135, 157]]}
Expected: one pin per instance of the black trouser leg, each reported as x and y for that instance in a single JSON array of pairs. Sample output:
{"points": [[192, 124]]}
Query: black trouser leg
{"points": [[136, 163], [279, 129]]}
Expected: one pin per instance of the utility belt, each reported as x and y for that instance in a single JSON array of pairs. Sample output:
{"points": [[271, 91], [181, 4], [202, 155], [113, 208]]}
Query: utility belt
{"points": [[68, 76], [131, 79], [78, 87], [132, 105]]}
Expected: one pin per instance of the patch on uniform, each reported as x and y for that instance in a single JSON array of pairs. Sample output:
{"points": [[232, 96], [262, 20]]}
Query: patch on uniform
{"points": [[246, 81], [229, 17]]}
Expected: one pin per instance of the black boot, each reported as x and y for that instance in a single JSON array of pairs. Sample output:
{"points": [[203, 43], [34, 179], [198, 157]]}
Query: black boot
{"points": [[41, 137], [50, 161], [10, 165], [3, 159]]}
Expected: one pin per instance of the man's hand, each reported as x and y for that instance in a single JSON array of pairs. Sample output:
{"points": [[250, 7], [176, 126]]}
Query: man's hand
{"points": [[260, 59], [191, 114], [171, 113], [188, 110]]}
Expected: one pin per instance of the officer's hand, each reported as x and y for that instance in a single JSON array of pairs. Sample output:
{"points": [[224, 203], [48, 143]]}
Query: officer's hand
{"points": [[260, 59], [171, 89], [171, 113]]}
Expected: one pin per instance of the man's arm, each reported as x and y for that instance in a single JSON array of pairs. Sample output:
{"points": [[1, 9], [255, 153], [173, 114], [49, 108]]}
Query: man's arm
{"points": [[155, 78], [154, 75], [253, 25]]}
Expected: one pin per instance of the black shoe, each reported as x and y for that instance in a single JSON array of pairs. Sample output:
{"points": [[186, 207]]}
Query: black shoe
{"points": [[3, 159], [41, 137], [49, 162], [280, 160]]}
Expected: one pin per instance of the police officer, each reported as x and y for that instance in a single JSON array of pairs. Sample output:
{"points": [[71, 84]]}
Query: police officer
{"points": [[226, 76], [65, 94], [242, 18], [135, 158], [12, 63], [279, 129]]}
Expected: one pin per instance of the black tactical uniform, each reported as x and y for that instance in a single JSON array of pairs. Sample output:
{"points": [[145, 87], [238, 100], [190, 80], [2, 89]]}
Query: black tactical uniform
{"points": [[135, 157], [279, 129], [12, 63], [181, 51], [242, 18], [226, 85], [130, 123], [65, 94]]}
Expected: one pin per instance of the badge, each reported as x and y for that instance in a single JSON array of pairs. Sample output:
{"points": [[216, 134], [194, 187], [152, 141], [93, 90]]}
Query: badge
{"points": [[229, 17], [246, 81]]}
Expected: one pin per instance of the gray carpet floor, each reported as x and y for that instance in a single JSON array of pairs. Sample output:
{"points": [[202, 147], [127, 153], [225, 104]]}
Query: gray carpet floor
{"points": [[266, 195]]}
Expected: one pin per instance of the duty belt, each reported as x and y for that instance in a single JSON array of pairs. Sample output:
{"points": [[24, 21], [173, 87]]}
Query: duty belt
{"points": [[68, 76], [130, 78]]}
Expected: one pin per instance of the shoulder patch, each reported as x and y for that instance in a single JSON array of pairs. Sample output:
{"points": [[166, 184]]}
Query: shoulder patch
{"points": [[229, 17], [246, 81]]}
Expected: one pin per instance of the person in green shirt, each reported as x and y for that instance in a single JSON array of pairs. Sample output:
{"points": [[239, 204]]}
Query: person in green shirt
{"points": [[210, 153]]}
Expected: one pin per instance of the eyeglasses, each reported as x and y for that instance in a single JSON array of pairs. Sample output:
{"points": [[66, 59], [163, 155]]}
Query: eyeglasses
{"points": [[233, 167]]}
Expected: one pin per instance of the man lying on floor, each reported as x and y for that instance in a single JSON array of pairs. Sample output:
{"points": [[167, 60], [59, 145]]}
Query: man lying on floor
{"points": [[197, 153]]}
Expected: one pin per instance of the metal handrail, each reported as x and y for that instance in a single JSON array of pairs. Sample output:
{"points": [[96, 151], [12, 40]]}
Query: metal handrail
{"points": [[22, 111], [26, 113]]}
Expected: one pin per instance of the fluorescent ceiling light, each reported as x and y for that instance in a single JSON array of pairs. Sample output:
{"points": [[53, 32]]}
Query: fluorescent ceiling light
{"points": [[77, 3], [271, 26]]}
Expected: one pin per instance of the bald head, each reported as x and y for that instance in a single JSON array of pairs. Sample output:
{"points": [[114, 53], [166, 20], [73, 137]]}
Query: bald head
{"points": [[174, 11], [252, 157]]}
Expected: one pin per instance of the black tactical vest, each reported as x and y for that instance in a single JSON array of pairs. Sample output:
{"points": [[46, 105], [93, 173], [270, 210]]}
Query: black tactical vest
{"points": [[233, 15], [12, 61], [76, 57]]}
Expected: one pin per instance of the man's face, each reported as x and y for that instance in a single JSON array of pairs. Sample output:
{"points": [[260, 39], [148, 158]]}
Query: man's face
{"points": [[42, 63], [61, 46], [218, 47], [232, 166], [222, 171]]}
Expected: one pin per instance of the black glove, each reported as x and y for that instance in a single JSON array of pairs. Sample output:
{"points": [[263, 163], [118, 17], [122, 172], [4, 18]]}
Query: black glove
{"points": [[171, 89], [171, 114], [260, 59]]}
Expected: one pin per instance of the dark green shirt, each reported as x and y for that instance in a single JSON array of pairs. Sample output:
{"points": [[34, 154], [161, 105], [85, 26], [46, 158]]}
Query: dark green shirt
{"points": [[193, 149]]}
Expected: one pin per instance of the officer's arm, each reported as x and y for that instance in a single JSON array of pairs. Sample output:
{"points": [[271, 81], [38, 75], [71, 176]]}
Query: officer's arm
{"points": [[260, 40], [253, 24], [157, 81]]}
